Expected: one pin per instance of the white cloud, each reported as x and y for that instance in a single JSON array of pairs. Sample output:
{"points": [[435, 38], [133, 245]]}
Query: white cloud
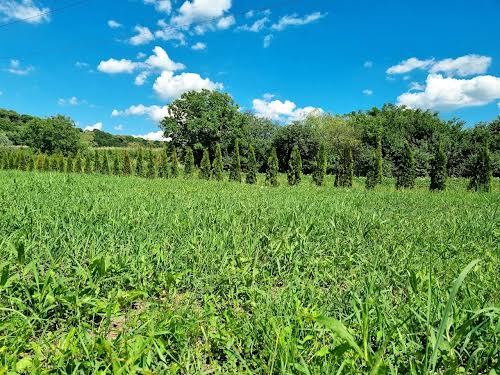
{"points": [[199, 46], [267, 40], [408, 65], [368, 64], [225, 23], [141, 55], [415, 86], [286, 111], [170, 86], [164, 6], [498, 104], [200, 11], [113, 66], [80, 64], [24, 10], [446, 93], [368, 92], [114, 24], [1, 93], [118, 127], [154, 136], [144, 36], [96, 126], [168, 32], [295, 20], [463, 66], [73, 101], [15, 68], [160, 60], [256, 26], [154, 112]]}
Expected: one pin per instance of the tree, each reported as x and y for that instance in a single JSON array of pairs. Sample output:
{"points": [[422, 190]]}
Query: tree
{"points": [[78, 163], [22, 166], [175, 164], [235, 173], [345, 169], [4, 140], [127, 166], [116, 164], [61, 165], [40, 160], [105, 163], [272, 169], [188, 162], [405, 178], [294, 167], [139, 168], [205, 166], [150, 168], [438, 170], [251, 177], [87, 168], [69, 165], [163, 171], [319, 170], [374, 176], [217, 164], [97, 162], [481, 179]]}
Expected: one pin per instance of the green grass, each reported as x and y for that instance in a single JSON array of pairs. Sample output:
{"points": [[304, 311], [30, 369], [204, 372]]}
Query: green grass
{"points": [[126, 275]]}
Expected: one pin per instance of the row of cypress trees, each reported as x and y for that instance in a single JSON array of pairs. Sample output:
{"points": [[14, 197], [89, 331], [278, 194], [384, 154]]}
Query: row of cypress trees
{"points": [[164, 165]]}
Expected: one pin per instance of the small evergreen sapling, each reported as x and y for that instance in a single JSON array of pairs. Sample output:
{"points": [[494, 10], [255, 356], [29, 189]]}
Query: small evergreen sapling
{"points": [[40, 162], [482, 172], [438, 170], [294, 167], [235, 173], [217, 164], [78, 163], [175, 164], [116, 164], [188, 162], [251, 177], [345, 170], [105, 164], [319, 171], [69, 165], [127, 166], [406, 173], [139, 168], [272, 169], [150, 169], [205, 166], [87, 167], [374, 176], [163, 171]]}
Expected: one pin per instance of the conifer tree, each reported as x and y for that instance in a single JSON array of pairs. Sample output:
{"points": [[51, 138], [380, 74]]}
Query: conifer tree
{"points": [[46, 163], [69, 165], [39, 162], [272, 169], [481, 179], [406, 173], [87, 166], [53, 163], [105, 163], [22, 161], [60, 163], [127, 167], [116, 164], [345, 169], [31, 162], [175, 164], [251, 177], [139, 167], [235, 173], [188, 162], [97, 162], [438, 170], [78, 163], [163, 171], [150, 166], [374, 176], [217, 164], [294, 167], [205, 166], [319, 170]]}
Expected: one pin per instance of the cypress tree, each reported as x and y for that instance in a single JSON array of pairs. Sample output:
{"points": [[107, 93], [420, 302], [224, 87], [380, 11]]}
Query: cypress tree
{"points": [[175, 164], [217, 164], [127, 167], [235, 174], [438, 168], [345, 169], [97, 162], [205, 166], [139, 168], [272, 169], [188, 162], [46, 163], [405, 178], [31, 162], [53, 163], [22, 161], [481, 179], [105, 163], [319, 170], [116, 164], [251, 177], [374, 176], [60, 163], [294, 167], [150, 167], [163, 165], [78, 163], [39, 162], [69, 164], [87, 166]]}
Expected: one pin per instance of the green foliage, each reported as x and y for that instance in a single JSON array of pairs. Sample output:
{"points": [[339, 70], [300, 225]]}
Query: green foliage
{"points": [[163, 167], [438, 171], [405, 177], [40, 161], [272, 169], [97, 162], [205, 168], [127, 165], [105, 163], [319, 170], [87, 167], [374, 176], [61, 165], [69, 165], [294, 173], [235, 172], [345, 168], [251, 177], [481, 179], [4, 140], [116, 165], [78, 168], [150, 168], [139, 167], [217, 164], [175, 163], [188, 162]]}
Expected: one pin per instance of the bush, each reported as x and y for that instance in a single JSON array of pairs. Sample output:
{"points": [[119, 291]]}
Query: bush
{"points": [[438, 170], [150, 167], [127, 166], [188, 162], [345, 169], [405, 178], [375, 172], [319, 168], [272, 169], [294, 167], [481, 179], [205, 166], [139, 167]]}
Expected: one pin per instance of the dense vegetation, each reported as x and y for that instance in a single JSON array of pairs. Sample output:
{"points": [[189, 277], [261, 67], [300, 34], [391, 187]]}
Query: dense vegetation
{"points": [[120, 275]]}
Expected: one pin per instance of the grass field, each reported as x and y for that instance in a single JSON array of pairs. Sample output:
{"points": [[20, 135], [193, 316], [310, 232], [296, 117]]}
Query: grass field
{"points": [[103, 274]]}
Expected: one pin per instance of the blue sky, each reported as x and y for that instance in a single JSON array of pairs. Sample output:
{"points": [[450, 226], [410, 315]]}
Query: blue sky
{"points": [[117, 64]]}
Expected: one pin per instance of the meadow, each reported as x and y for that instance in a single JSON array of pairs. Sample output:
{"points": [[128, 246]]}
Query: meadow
{"points": [[107, 274]]}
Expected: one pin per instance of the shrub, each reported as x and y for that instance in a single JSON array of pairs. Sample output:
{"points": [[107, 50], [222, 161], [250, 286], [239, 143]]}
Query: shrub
{"points": [[139, 168], [150, 167], [319, 168], [105, 163], [272, 169], [175, 164], [205, 166], [374, 176], [405, 178], [438, 170], [127, 166], [163, 171], [97, 162], [217, 165], [251, 177], [78, 163], [294, 167], [235, 173], [188, 162], [116, 164], [69, 165], [481, 179], [345, 169], [88, 163], [39, 162]]}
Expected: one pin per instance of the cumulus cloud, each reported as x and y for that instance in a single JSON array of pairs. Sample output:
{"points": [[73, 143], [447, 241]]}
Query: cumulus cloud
{"points": [[16, 68], [447, 93], [73, 101], [196, 11], [80, 64], [368, 92], [167, 32], [225, 22], [161, 60], [96, 126], [416, 86], [286, 111], [114, 24], [118, 127], [154, 136], [113, 66], [24, 10], [199, 46], [143, 36], [164, 6], [463, 66], [295, 20], [154, 112], [256, 26], [170, 86], [408, 65]]}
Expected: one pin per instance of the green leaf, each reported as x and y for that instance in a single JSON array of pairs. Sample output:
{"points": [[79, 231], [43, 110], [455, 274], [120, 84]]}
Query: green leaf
{"points": [[24, 364], [340, 330]]}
